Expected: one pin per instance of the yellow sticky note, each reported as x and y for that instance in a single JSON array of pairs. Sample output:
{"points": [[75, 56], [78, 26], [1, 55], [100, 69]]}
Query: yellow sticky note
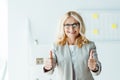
{"points": [[95, 16], [95, 31], [114, 26]]}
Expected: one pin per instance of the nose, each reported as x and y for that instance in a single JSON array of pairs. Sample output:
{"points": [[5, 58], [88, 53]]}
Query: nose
{"points": [[71, 28]]}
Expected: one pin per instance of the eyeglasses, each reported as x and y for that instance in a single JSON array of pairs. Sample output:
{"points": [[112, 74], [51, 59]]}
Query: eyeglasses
{"points": [[74, 25]]}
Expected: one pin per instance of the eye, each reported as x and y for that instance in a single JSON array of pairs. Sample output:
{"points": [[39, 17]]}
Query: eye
{"points": [[67, 24], [75, 25]]}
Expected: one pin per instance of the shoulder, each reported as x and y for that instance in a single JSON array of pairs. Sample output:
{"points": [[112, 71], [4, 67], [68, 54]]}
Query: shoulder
{"points": [[59, 47], [91, 44], [56, 46]]}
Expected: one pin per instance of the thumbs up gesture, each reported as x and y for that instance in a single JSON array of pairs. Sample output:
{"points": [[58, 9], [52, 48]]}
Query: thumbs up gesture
{"points": [[48, 64], [91, 61]]}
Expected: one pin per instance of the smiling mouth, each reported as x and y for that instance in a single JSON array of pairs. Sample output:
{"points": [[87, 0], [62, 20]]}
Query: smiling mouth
{"points": [[72, 32]]}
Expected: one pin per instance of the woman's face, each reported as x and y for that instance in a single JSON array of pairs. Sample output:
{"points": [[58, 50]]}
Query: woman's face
{"points": [[71, 28]]}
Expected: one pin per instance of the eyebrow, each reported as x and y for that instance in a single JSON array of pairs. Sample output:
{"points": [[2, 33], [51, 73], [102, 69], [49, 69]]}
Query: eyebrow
{"points": [[72, 23]]}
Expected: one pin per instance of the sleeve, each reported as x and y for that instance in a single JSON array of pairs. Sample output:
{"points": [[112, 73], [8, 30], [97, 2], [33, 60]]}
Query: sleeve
{"points": [[54, 62], [95, 56]]}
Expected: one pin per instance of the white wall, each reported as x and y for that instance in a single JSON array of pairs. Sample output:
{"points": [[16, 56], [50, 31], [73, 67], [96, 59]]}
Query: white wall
{"points": [[3, 39], [42, 16], [109, 56]]}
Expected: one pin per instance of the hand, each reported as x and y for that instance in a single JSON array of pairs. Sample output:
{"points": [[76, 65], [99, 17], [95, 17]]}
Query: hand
{"points": [[49, 62], [91, 61]]}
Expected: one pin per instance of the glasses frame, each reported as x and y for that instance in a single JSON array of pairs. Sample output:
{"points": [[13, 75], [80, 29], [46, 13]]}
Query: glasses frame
{"points": [[74, 25]]}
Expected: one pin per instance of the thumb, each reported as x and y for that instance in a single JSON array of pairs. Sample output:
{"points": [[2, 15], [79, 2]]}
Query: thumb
{"points": [[91, 54], [51, 55]]}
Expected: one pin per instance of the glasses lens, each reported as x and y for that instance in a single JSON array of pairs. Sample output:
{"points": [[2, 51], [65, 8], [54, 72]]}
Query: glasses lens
{"points": [[74, 25]]}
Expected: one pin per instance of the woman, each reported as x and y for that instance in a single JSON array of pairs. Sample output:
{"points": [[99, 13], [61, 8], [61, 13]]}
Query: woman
{"points": [[73, 54]]}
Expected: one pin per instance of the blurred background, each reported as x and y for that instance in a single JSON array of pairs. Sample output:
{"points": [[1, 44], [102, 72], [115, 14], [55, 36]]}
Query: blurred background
{"points": [[3, 40], [31, 26]]}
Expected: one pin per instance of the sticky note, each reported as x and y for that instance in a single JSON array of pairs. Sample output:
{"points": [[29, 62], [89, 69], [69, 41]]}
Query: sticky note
{"points": [[95, 31], [114, 26], [95, 16]]}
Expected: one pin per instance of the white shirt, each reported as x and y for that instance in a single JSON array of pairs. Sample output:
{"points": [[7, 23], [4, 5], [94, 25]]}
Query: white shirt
{"points": [[72, 50]]}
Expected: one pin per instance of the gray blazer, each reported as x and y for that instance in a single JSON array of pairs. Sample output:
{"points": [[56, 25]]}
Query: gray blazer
{"points": [[64, 63]]}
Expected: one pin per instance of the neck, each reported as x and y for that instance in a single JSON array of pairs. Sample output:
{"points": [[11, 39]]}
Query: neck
{"points": [[71, 41]]}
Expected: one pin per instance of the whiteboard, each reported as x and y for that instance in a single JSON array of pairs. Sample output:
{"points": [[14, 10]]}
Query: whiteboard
{"points": [[102, 25]]}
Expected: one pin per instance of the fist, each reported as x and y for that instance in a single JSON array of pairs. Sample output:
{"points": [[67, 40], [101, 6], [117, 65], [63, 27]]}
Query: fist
{"points": [[91, 61], [48, 64]]}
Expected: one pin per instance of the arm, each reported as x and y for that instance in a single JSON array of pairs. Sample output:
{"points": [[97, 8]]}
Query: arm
{"points": [[50, 63], [94, 66]]}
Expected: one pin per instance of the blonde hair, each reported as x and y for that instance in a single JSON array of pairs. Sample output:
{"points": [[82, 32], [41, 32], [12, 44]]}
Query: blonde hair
{"points": [[62, 38]]}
